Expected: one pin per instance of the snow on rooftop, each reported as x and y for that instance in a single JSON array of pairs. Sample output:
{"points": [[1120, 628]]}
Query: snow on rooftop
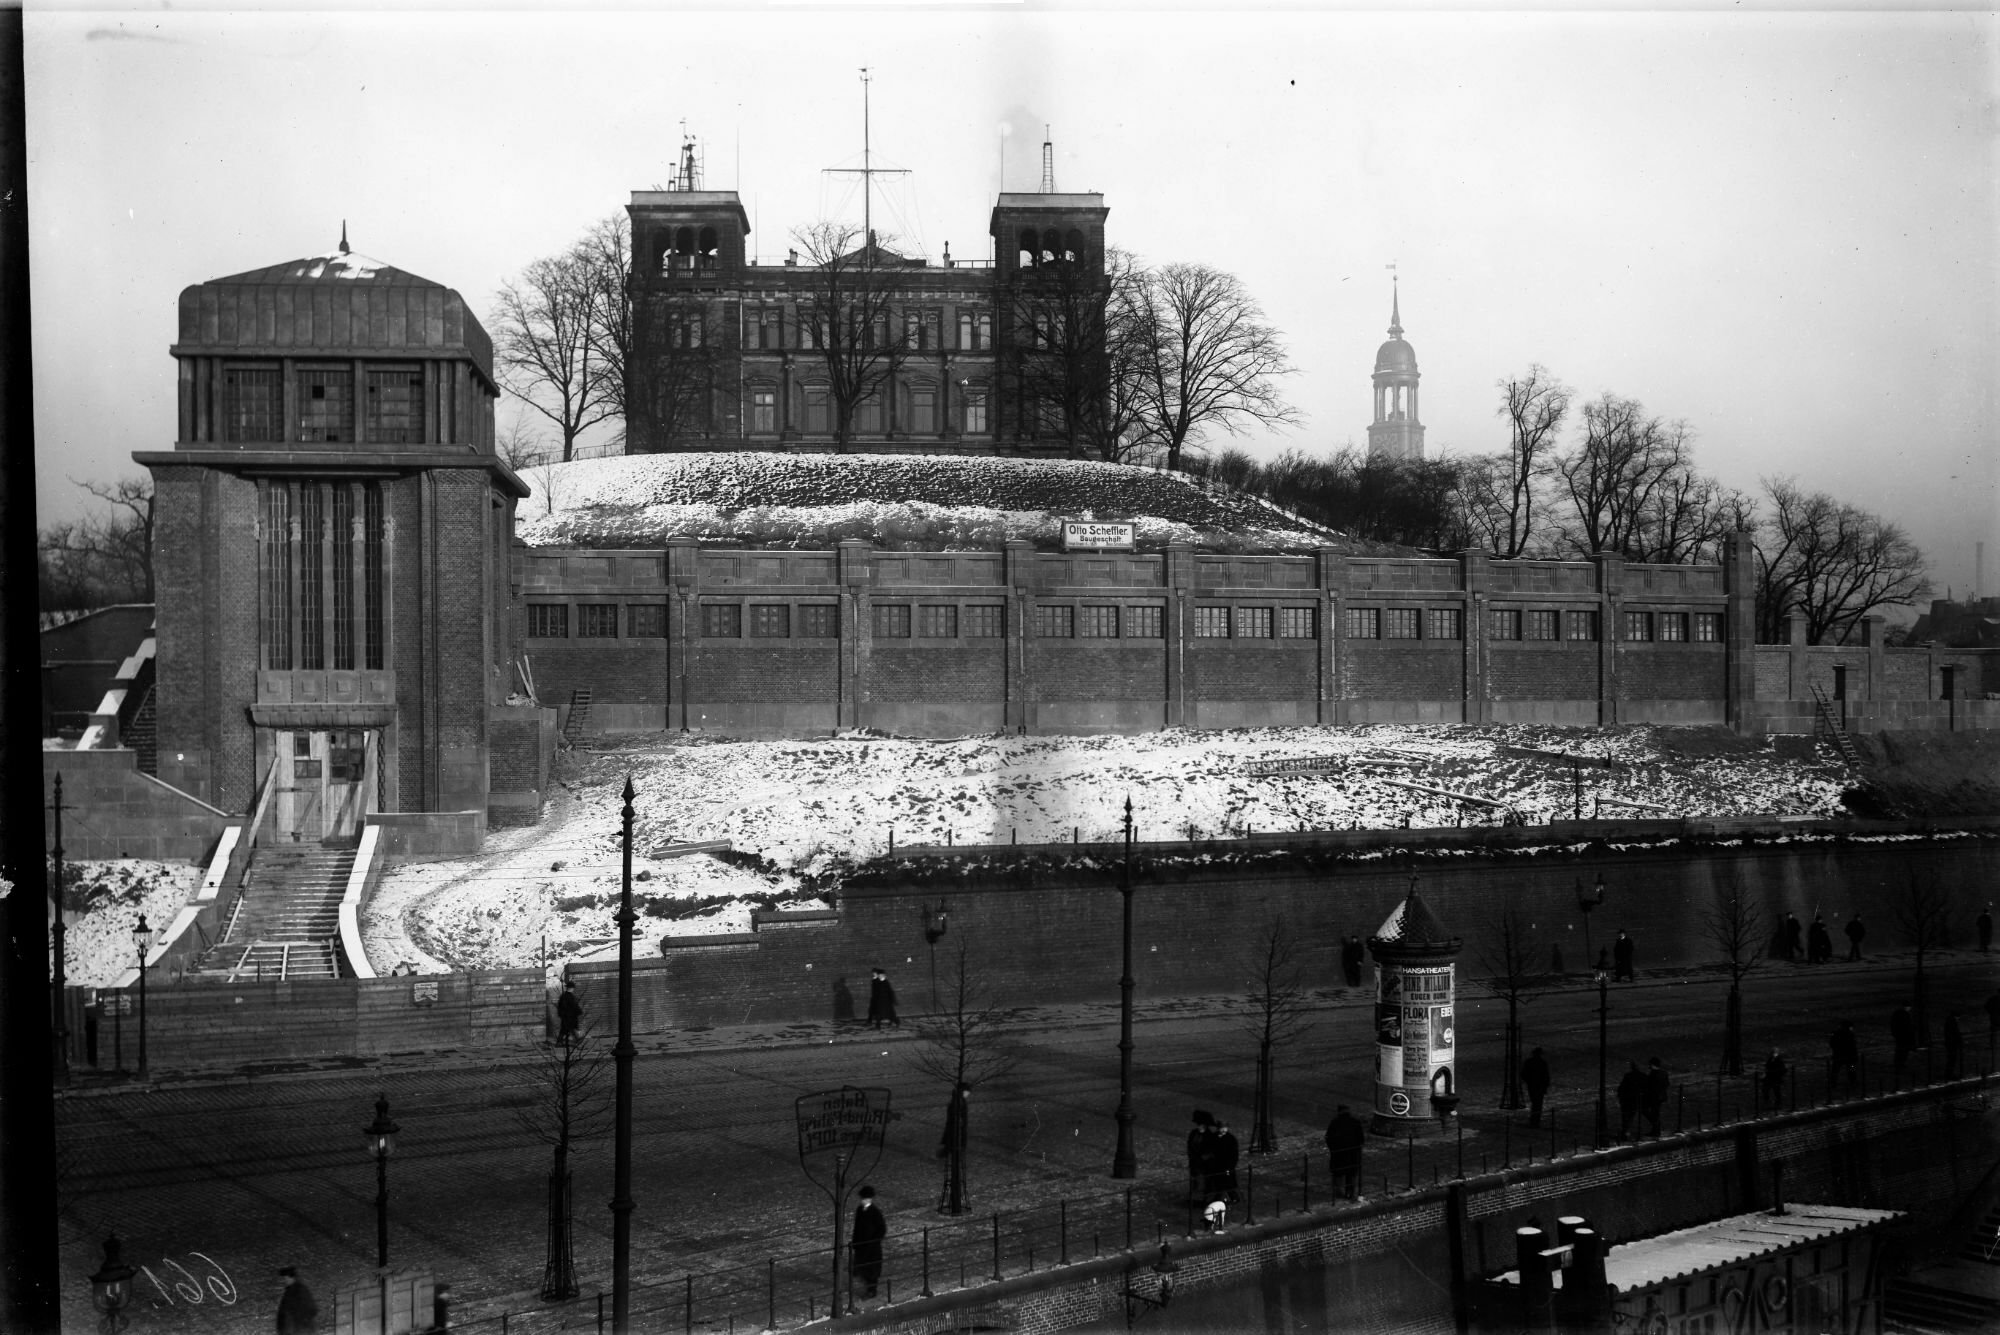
{"points": [[1723, 1242]]}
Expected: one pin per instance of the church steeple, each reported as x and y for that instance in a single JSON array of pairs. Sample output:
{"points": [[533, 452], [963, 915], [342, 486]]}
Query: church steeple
{"points": [[1397, 432]]}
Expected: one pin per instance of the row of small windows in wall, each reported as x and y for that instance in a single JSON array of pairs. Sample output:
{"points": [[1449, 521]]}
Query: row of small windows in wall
{"points": [[772, 328], [685, 249], [1507, 623], [918, 410], [598, 621], [253, 404], [1048, 246]]}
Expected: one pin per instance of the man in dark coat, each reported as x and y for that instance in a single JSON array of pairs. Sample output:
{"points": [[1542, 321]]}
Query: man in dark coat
{"points": [[1954, 1046], [1843, 1057], [1344, 1139], [952, 1147], [1794, 937], [1631, 1093], [297, 1312], [569, 1011], [1197, 1155], [1535, 1075], [1855, 931], [1227, 1151], [1903, 1031], [1658, 1086], [1819, 941], [1774, 1079], [881, 1001], [869, 1230], [1621, 957], [1350, 961]]}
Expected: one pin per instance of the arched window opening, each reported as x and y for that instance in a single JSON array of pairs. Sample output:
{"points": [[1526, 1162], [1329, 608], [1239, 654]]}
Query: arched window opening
{"points": [[705, 249], [663, 251], [1029, 247], [1073, 246]]}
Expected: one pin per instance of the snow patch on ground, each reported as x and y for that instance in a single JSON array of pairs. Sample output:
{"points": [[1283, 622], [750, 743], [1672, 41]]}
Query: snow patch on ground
{"points": [[113, 895]]}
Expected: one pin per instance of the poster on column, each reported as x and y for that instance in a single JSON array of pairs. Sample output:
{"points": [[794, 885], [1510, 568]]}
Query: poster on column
{"points": [[1388, 1028], [1428, 1035]]}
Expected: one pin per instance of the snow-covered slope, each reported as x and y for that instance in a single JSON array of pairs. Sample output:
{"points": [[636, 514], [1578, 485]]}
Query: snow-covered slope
{"points": [[919, 502], [809, 806]]}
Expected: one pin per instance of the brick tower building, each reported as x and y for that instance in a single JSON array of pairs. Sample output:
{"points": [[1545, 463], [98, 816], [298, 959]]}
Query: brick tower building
{"points": [[733, 354], [1397, 432], [331, 547]]}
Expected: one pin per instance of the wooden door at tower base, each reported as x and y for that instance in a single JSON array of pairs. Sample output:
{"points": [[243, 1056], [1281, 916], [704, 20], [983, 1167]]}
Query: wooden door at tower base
{"points": [[298, 804]]}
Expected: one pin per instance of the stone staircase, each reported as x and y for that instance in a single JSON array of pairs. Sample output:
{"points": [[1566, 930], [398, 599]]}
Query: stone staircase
{"points": [[285, 921], [1963, 1294]]}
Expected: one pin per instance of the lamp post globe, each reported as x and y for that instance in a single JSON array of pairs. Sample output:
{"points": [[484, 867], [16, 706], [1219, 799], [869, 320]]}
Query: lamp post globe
{"points": [[1585, 904], [381, 1139], [111, 1287], [142, 938]]}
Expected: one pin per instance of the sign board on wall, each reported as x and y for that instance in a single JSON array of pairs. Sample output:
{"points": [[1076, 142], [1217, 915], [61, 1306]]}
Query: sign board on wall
{"points": [[1081, 535]]}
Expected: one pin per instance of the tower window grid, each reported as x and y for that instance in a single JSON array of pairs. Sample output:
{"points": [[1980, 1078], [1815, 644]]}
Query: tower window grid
{"points": [[1055, 622], [1097, 623], [1673, 626], [770, 621], [597, 621], [1298, 623], [819, 621], [1364, 623], [721, 621], [1211, 623], [1400, 623], [892, 621], [1253, 623], [548, 621], [1142, 623], [938, 621], [1443, 623]]}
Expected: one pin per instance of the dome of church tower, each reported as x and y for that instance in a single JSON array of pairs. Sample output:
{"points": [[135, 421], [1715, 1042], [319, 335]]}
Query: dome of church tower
{"points": [[1395, 355]]}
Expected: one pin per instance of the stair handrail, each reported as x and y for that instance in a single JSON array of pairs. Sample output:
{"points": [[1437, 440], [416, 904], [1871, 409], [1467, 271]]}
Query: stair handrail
{"points": [[263, 809]]}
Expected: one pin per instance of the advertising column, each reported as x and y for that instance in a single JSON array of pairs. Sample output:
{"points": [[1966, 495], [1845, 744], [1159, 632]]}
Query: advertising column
{"points": [[1416, 1084]]}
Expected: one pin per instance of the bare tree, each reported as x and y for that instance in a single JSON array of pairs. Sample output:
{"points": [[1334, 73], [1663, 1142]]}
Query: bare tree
{"points": [[519, 448], [1923, 911], [544, 346], [1611, 477], [101, 558], [568, 1103], [1279, 1012], [847, 311], [1501, 489], [959, 1046], [1080, 351], [1829, 563], [1738, 928], [1210, 361], [1512, 976]]}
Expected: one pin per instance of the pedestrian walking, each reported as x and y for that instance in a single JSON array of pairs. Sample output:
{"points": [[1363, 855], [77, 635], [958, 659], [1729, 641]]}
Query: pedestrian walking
{"points": [[870, 1227], [1344, 1139], [1631, 1092], [1819, 941], [1903, 1031], [569, 1012], [1985, 925], [1954, 1046], [1794, 937], [297, 1312], [1855, 931], [1350, 961], [1843, 1057], [1227, 1152], [1621, 957], [1535, 1075], [1197, 1155], [1658, 1086], [881, 1001], [1774, 1079]]}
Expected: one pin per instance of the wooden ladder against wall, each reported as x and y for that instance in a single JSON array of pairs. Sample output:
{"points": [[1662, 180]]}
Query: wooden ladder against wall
{"points": [[1828, 722], [579, 713]]}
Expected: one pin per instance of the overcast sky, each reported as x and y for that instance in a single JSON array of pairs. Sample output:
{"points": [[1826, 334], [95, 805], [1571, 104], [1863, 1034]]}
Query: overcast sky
{"points": [[1778, 226]]}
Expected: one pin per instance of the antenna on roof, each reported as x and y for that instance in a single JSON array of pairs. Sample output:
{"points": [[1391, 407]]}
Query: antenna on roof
{"points": [[343, 236], [1048, 162]]}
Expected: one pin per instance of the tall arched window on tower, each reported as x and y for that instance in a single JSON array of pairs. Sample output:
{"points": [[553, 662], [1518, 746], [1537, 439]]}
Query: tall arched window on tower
{"points": [[1073, 246], [705, 252], [972, 408], [1030, 248], [277, 524]]}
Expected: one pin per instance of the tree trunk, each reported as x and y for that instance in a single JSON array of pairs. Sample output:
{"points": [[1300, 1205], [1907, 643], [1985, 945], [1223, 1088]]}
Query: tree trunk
{"points": [[1510, 1082], [1263, 1137], [559, 1275], [1732, 1032]]}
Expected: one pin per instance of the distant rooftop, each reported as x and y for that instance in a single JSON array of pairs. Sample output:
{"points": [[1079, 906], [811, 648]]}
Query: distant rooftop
{"points": [[339, 266], [1028, 199]]}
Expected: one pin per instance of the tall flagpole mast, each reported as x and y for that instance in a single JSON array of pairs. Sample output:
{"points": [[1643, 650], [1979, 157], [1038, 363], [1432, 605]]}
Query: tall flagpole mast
{"points": [[867, 169]]}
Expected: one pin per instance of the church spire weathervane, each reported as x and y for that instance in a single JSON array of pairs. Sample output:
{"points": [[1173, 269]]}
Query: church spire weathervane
{"points": [[1395, 304]]}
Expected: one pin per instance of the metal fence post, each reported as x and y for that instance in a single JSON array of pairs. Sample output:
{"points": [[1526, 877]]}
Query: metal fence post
{"points": [[927, 1265], [996, 1244], [771, 1287], [690, 1305], [1305, 1183], [1250, 1215], [1128, 1219], [1063, 1239], [1410, 1163]]}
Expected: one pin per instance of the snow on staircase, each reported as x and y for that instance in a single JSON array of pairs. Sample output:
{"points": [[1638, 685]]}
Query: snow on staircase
{"points": [[286, 922]]}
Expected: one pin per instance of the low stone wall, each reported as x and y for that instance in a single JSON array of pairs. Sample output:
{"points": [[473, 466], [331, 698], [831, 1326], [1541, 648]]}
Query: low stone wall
{"points": [[1048, 930], [429, 836], [207, 1023], [124, 813]]}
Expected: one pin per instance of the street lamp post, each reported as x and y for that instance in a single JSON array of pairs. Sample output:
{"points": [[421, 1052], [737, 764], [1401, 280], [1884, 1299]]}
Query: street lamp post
{"points": [[1603, 1057], [61, 949], [621, 1055], [1125, 1162], [1585, 905], [111, 1287], [381, 1134], [142, 937]]}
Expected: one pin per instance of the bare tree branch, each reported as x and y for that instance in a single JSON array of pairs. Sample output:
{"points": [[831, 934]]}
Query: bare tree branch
{"points": [[543, 345], [1210, 360], [848, 312], [1831, 564]]}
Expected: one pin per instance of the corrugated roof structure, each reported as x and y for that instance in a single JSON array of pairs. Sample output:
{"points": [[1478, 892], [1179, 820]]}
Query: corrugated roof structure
{"points": [[1630, 1266]]}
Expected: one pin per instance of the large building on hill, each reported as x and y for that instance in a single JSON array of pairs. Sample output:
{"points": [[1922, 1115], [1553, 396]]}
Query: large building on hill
{"points": [[959, 356], [331, 535]]}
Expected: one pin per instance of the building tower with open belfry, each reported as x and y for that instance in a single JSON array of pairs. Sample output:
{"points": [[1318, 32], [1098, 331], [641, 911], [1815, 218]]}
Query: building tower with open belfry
{"points": [[1397, 432]]}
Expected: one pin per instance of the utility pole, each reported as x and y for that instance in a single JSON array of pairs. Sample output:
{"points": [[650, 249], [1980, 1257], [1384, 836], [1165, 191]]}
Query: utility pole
{"points": [[1125, 1161], [621, 1171], [61, 1032]]}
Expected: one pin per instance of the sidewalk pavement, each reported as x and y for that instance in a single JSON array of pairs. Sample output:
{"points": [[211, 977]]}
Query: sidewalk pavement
{"points": [[86, 1082]]}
